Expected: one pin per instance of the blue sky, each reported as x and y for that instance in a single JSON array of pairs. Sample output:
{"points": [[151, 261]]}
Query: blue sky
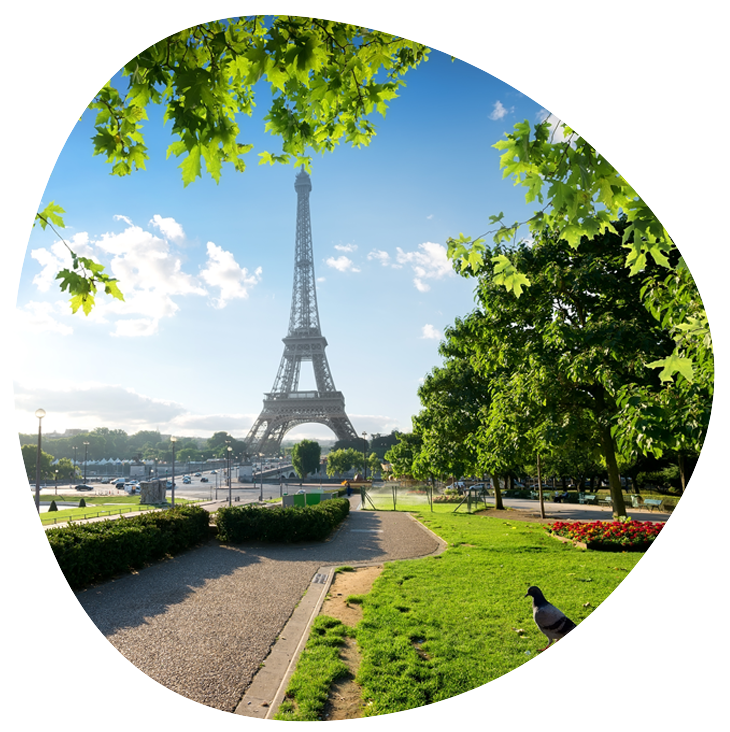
{"points": [[207, 270]]}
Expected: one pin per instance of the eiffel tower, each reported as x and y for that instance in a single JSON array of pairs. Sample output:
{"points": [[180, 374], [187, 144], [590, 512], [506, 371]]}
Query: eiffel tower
{"points": [[285, 406]]}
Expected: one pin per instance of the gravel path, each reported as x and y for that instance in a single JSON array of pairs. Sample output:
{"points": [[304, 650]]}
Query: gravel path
{"points": [[203, 622]]}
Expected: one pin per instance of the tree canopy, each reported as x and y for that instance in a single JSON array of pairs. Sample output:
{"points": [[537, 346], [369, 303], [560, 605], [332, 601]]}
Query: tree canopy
{"points": [[549, 372], [581, 196], [325, 81], [305, 457]]}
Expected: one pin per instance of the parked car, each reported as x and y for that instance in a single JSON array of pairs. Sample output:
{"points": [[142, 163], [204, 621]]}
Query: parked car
{"points": [[203, 480], [197, 475], [83, 487], [186, 480], [119, 483], [104, 481]]}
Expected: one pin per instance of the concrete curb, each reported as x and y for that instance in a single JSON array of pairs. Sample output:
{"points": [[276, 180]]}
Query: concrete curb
{"points": [[268, 688], [266, 692]]}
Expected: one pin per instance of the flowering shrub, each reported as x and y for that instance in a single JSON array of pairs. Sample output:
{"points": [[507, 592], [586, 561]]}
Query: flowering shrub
{"points": [[609, 535]]}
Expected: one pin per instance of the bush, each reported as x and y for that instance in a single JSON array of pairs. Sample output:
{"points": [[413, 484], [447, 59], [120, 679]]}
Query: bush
{"points": [[82, 503], [53, 507], [93, 552], [281, 525]]}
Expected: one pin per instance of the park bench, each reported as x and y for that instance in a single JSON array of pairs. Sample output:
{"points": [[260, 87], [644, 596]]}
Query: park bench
{"points": [[652, 503], [589, 498], [606, 501]]}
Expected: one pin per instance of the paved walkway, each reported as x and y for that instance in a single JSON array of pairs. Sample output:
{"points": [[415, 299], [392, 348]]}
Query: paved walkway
{"points": [[203, 623], [577, 512]]}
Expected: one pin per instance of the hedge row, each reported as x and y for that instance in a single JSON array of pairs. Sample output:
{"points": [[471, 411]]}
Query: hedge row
{"points": [[92, 552], [282, 525]]}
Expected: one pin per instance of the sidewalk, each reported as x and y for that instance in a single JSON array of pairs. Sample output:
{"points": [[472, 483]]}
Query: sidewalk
{"points": [[578, 512], [223, 625]]}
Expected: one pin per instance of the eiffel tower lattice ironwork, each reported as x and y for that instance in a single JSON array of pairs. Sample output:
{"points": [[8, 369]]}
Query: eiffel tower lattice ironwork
{"points": [[285, 406]]}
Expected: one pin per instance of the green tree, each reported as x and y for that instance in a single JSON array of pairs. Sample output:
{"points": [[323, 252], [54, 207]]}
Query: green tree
{"points": [[342, 461], [325, 79], [581, 196], [66, 469], [451, 397], [30, 457], [305, 457], [569, 343], [402, 456]]}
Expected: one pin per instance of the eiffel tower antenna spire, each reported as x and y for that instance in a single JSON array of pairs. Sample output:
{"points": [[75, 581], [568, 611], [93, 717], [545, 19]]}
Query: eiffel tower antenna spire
{"points": [[285, 406]]}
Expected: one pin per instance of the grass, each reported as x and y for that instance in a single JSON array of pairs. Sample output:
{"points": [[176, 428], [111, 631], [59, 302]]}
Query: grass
{"points": [[436, 627], [96, 506], [318, 667]]}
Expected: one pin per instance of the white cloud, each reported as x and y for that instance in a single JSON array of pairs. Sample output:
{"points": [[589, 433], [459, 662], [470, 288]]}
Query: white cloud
{"points": [[430, 333], [429, 262], [380, 256], [341, 264], [40, 317], [222, 271], [429, 217], [126, 219], [100, 404], [58, 257], [96, 403], [346, 247], [499, 111], [150, 275], [136, 327], [169, 227]]}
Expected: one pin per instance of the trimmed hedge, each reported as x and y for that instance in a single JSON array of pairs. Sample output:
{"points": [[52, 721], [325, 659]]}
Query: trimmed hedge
{"points": [[93, 552], [281, 525]]}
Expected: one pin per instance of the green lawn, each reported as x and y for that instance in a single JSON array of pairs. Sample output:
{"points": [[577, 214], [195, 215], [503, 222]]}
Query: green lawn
{"points": [[437, 627], [95, 506]]}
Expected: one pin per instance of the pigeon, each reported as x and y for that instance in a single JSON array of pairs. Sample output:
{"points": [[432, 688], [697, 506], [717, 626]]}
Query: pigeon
{"points": [[552, 622]]}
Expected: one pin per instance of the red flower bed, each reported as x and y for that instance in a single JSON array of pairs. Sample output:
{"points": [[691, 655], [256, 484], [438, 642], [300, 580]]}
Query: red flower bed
{"points": [[609, 535]]}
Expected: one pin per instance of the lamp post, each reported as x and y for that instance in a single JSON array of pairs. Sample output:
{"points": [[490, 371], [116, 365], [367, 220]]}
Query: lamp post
{"points": [[261, 492], [40, 413], [229, 450], [364, 457], [173, 440], [55, 475], [86, 455]]}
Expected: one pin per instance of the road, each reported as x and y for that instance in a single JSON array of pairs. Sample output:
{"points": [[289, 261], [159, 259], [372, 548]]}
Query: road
{"points": [[215, 489]]}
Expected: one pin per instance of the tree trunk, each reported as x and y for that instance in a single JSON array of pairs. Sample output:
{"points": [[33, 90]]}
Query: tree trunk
{"points": [[539, 489], [497, 493], [614, 480], [682, 473]]}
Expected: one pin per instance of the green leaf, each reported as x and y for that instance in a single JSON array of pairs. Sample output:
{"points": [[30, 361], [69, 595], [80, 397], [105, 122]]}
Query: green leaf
{"points": [[673, 364], [191, 166], [50, 214], [505, 273]]}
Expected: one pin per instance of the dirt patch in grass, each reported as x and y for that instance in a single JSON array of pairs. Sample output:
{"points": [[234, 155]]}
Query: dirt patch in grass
{"points": [[515, 514], [345, 699]]}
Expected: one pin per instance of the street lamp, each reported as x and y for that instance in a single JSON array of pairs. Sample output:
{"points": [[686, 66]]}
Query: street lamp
{"points": [[229, 450], [364, 458], [86, 455], [40, 413], [261, 492], [173, 440], [55, 472]]}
